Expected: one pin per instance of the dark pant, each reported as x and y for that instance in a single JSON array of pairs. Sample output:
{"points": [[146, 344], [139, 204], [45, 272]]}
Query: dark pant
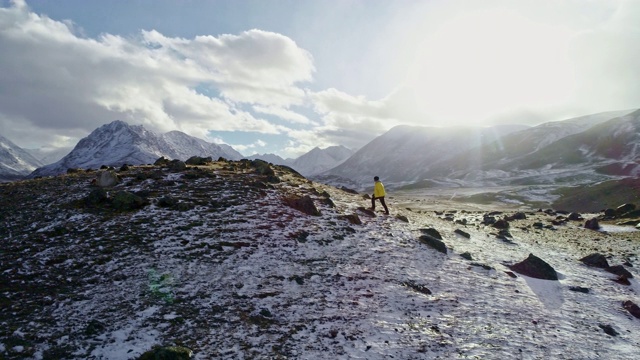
{"points": [[373, 203]]}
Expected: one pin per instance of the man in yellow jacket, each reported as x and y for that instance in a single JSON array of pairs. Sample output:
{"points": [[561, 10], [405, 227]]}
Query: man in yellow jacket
{"points": [[378, 194]]}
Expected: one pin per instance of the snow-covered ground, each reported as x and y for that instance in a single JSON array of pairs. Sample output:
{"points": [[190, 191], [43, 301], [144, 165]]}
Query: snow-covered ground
{"points": [[237, 274]]}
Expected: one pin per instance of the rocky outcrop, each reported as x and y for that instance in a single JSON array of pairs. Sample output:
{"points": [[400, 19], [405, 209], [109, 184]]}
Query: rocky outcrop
{"points": [[304, 204]]}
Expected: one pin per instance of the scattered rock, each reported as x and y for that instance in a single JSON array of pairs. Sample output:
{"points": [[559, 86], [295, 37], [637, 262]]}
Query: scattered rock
{"points": [[434, 243], [107, 178], [592, 224], [517, 216], [177, 166], [632, 308], [417, 287], [96, 197], [466, 255], [167, 353], [511, 274], [124, 200], [167, 201], [431, 232], [304, 204], [197, 160], [367, 211], [580, 289], [162, 161], [462, 233], [501, 224], [124, 167], [402, 218], [535, 267], [350, 191], [622, 281], [624, 208], [575, 217], [620, 271], [353, 218], [608, 329], [596, 260]]}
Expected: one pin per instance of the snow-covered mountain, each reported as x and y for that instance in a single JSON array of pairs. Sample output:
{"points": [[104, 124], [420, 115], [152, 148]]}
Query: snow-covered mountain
{"points": [[403, 153], [119, 143], [495, 156], [319, 160], [15, 162]]}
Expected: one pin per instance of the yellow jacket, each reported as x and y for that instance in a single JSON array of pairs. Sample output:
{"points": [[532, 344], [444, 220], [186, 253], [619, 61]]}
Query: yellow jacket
{"points": [[378, 190]]}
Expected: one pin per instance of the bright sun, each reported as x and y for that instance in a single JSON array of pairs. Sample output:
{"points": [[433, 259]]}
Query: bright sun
{"points": [[488, 62]]}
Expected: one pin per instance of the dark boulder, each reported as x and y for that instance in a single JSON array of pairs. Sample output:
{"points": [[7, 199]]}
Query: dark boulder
{"points": [[352, 218], [304, 204], [620, 271], [402, 218], [575, 217], [197, 160], [596, 260], [632, 308], [624, 208], [535, 267], [367, 211], [462, 233], [592, 224], [162, 161], [431, 232], [517, 216], [96, 196], [501, 224], [167, 201], [434, 243], [608, 329], [177, 166], [124, 200], [610, 212]]}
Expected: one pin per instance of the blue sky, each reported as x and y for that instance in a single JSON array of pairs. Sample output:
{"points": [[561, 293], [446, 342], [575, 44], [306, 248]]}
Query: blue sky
{"points": [[286, 76]]}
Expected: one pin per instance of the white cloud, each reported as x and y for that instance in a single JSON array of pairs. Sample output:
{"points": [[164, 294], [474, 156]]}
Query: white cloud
{"points": [[71, 84]]}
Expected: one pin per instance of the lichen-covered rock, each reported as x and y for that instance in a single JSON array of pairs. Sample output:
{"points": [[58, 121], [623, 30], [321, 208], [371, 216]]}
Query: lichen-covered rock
{"points": [[197, 160], [535, 267], [353, 218], [107, 178], [96, 196], [124, 200], [177, 166]]}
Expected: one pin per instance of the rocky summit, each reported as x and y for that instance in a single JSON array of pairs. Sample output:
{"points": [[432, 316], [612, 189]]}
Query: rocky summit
{"points": [[247, 260]]}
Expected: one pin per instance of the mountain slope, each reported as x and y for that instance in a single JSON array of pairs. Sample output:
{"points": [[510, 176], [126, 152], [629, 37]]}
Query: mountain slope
{"points": [[15, 162], [270, 158], [543, 154], [119, 143]]}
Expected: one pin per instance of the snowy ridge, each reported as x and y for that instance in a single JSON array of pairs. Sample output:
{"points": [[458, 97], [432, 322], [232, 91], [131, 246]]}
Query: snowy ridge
{"points": [[319, 160], [15, 162]]}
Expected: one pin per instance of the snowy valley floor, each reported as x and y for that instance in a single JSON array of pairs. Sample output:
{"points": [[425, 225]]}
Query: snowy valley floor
{"points": [[235, 273]]}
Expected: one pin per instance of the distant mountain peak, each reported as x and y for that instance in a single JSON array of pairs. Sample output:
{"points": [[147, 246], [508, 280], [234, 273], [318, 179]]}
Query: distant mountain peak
{"points": [[119, 143]]}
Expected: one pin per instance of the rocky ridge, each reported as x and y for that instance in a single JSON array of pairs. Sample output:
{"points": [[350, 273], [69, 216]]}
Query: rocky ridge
{"points": [[243, 259]]}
